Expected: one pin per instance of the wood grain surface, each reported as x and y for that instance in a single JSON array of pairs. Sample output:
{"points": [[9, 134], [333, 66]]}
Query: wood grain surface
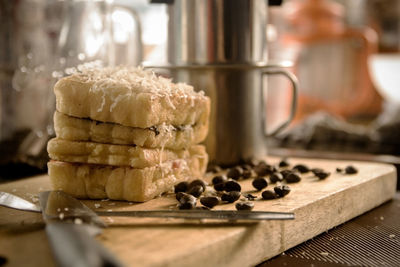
{"points": [[318, 206]]}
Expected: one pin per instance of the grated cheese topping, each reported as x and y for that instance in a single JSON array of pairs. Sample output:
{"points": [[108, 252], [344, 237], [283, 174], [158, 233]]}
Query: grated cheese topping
{"points": [[136, 79]]}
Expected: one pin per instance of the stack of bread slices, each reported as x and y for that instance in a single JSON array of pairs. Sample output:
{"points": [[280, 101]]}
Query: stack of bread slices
{"points": [[126, 134]]}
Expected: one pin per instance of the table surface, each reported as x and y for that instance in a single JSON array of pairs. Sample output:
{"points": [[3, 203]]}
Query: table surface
{"points": [[347, 194], [372, 239]]}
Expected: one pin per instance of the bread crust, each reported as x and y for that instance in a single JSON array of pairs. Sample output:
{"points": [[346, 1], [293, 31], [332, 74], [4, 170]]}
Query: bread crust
{"points": [[118, 103], [76, 129], [117, 155], [122, 183]]}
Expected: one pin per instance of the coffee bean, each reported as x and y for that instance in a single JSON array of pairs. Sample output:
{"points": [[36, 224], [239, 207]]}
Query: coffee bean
{"points": [[263, 169], [276, 177], [251, 161], [244, 205], [301, 168], [268, 194], [186, 205], [350, 170], [213, 168], [322, 174], [196, 190], [250, 197], [247, 174], [246, 167], [235, 173], [283, 163], [230, 197], [219, 187], [181, 187], [260, 183], [316, 170], [179, 195], [209, 201], [186, 201], [197, 182], [282, 190], [232, 186], [293, 178], [219, 179], [285, 173]]}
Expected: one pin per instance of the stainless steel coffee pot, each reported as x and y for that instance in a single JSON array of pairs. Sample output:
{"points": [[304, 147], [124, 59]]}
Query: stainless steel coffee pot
{"points": [[220, 47]]}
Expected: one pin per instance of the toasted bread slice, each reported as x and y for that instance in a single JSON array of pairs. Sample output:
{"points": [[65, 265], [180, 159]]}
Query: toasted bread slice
{"points": [[130, 97], [122, 183], [168, 136], [117, 155]]}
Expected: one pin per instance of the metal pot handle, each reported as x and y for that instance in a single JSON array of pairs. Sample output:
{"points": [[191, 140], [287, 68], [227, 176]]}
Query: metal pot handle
{"points": [[294, 83]]}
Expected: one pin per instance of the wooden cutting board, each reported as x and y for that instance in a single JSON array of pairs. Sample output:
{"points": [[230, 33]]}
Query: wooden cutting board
{"points": [[318, 206]]}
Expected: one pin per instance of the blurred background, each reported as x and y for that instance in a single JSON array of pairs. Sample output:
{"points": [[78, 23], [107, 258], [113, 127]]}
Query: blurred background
{"points": [[345, 53]]}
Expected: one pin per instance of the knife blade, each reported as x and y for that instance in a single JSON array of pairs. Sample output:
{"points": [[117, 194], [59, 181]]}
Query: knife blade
{"points": [[71, 235], [203, 214], [12, 201]]}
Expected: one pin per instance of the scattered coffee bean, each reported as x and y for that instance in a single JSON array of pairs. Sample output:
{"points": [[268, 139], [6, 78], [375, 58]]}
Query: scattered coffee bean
{"points": [[251, 161], [186, 205], [232, 186], [301, 168], [213, 168], [187, 201], [250, 197], [246, 167], [282, 190], [339, 170], [293, 178], [263, 169], [209, 201], [197, 182], [322, 175], [219, 179], [219, 187], [316, 170], [283, 163], [247, 174], [276, 177], [179, 195], [285, 173], [269, 194], [230, 197], [350, 170], [260, 183], [235, 173], [244, 205], [186, 198], [196, 190], [274, 169], [181, 187]]}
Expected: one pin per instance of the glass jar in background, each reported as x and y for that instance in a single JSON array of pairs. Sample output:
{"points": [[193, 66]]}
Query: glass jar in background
{"points": [[42, 41]]}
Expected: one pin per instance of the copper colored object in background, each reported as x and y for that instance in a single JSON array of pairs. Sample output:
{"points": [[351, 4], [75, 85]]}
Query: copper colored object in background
{"points": [[331, 60]]}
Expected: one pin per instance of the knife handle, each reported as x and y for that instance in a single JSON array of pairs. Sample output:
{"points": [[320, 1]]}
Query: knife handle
{"points": [[73, 246]]}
